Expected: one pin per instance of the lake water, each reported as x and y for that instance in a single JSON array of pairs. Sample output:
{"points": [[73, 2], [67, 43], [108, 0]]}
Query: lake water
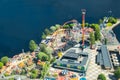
{"points": [[23, 20]]}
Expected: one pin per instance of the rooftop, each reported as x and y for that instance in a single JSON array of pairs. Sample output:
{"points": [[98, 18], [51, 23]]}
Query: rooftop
{"points": [[103, 58], [71, 54]]}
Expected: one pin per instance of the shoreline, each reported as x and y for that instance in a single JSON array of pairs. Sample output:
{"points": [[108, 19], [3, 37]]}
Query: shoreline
{"points": [[116, 24]]}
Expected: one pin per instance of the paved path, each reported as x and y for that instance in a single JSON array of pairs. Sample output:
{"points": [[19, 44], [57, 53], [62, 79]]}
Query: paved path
{"points": [[94, 70]]}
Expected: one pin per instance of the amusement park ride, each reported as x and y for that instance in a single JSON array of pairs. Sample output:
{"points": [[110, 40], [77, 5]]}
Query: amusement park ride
{"points": [[83, 25], [55, 34]]}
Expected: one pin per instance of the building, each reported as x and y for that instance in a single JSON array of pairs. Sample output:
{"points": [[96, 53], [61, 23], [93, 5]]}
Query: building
{"points": [[103, 58], [73, 61]]}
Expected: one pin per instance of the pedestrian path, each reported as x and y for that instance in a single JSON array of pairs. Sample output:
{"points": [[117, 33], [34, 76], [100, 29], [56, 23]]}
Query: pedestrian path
{"points": [[94, 70]]}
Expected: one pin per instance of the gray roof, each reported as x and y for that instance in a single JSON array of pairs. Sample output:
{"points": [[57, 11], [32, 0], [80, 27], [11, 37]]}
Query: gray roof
{"points": [[71, 54], [106, 57], [84, 61], [101, 59], [98, 58]]}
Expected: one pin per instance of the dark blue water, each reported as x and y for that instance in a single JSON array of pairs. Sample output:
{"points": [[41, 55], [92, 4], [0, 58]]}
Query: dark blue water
{"points": [[23, 20]]}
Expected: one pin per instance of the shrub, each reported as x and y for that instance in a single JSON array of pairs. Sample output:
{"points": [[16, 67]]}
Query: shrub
{"points": [[1, 65], [109, 24], [117, 73], [101, 77], [4, 60]]}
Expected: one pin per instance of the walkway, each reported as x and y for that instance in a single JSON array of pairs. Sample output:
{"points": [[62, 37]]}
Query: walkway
{"points": [[94, 70]]}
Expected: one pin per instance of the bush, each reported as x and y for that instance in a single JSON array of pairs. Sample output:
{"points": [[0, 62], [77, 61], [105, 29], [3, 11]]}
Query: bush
{"points": [[42, 56], [11, 79], [4, 60], [43, 47], [6, 74], [55, 75], [101, 77], [34, 76], [52, 60], [32, 45], [1, 65], [117, 73], [112, 20], [43, 36], [52, 28], [109, 24]]}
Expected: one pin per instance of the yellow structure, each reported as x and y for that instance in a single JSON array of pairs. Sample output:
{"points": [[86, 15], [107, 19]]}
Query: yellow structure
{"points": [[76, 78], [60, 54], [21, 65]]}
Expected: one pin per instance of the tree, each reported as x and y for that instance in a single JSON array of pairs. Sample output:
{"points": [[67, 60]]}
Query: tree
{"points": [[32, 45], [100, 21], [83, 68], [53, 28], [52, 60], [1, 65], [35, 71], [92, 39], [117, 73], [43, 36], [109, 24], [42, 74], [11, 79], [106, 41], [112, 20], [86, 24], [34, 76], [92, 26], [47, 31], [66, 26], [42, 56], [43, 47], [4, 60], [48, 50], [97, 32], [57, 26], [101, 77]]}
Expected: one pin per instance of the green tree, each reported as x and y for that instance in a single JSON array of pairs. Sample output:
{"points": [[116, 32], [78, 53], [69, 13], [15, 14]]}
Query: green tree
{"points": [[42, 56], [101, 77], [23, 72], [106, 41], [57, 26], [53, 28], [83, 68], [66, 26], [71, 25], [34, 76], [53, 60], [43, 47], [42, 74], [32, 45], [97, 32], [1, 65], [35, 71], [112, 20], [47, 31], [100, 21], [43, 36], [92, 26], [92, 39], [117, 73], [4, 60], [86, 24], [109, 24], [49, 50], [11, 79]]}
